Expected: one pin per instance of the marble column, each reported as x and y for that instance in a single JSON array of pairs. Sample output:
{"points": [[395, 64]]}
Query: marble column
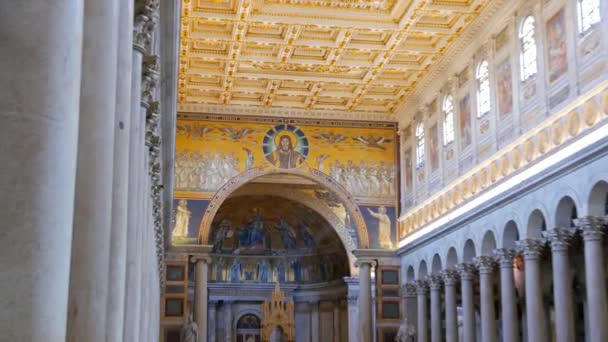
{"points": [[560, 238], [450, 278], [593, 230], [120, 193], [39, 107], [467, 271], [336, 317], [408, 292], [486, 266], [422, 328], [227, 321], [201, 273], [314, 321], [90, 260], [211, 334], [535, 315], [365, 300], [510, 326], [352, 284], [435, 284]]}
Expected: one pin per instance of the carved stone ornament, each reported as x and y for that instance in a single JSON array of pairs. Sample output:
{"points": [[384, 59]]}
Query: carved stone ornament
{"points": [[466, 271], [144, 24], [559, 238], [485, 264], [450, 277], [505, 257], [422, 287], [593, 228], [435, 282], [149, 79], [531, 248], [408, 290]]}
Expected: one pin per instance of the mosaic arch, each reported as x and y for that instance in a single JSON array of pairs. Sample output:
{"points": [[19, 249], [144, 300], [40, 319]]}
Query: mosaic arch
{"points": [[235, 183]]}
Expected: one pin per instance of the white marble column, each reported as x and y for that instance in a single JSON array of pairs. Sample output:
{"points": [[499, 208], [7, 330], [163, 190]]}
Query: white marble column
{"points": [[560, 238], [435, 285], [510, 326], [336, 317], [201, 274], [593, 230], [486, 266], [211, 334], [352, 299], [408, 293], [450, 278], [90, 260], [467, 271], [365, 300], [535, 315], [39, 107], [422, 328], [120, 193], [227, 321], [314, 321]]}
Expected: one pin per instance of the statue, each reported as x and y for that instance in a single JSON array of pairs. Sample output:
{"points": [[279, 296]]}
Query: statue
{"points": [[189, 331], [407, 332], [182, 220], [384, 227]]}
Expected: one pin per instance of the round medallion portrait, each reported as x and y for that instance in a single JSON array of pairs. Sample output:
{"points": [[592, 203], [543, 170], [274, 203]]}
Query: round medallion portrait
{"points": [[285, 146]]}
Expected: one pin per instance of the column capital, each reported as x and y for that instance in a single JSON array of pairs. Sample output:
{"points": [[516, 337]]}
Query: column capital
{"points": [[408, 290], [505, 257], [466, 271], [559, 238], [146, 16], [195, 258], [450, 277], [485, 264], [531, 248], [422, 287], [592, 227], [370, 262], [435, 282]]}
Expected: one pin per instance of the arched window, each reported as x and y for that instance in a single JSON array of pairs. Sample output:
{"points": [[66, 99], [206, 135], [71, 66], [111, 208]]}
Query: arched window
{"points": [[483, 89], [528, 48], [448, 119], [419, 144], [588, 14]]}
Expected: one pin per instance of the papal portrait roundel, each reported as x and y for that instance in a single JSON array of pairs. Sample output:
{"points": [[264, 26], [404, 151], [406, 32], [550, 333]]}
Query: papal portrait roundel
{"points": [[285, 146]]}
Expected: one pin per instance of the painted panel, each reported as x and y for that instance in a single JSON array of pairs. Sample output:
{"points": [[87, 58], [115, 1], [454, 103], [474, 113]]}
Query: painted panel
{"points": [[434, 147], [557, 46], [504, 88], [381, 225], [464, 124], [188, 214]]}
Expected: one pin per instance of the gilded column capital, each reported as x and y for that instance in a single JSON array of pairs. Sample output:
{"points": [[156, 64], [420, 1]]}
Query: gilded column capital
{"points": [[559, 238], [531, 249], [485, 264], [593, 228], [466, 271], [435, 282], [422, 287], [450, 277], [408, 290], [505, 257]]}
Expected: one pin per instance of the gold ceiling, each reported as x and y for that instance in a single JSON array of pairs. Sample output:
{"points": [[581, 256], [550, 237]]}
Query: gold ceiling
{"points": [[317, 56]]}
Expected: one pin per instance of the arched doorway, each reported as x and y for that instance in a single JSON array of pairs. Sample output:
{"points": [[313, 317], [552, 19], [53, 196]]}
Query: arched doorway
{"points": [[248, 328]]}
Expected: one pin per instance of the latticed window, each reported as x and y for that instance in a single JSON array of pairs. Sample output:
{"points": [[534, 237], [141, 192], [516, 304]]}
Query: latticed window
{"points": [[483, 89], [528, 48], [588, 14], [419, 144], [448, 120]]}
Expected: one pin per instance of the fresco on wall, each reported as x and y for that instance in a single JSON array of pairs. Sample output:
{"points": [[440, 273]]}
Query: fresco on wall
{"points": [[502, 39], [408, 178], [187, 216], [504, 89], [434, 147], [557, 48], [464, 122], [361, 157], [381, 222]]}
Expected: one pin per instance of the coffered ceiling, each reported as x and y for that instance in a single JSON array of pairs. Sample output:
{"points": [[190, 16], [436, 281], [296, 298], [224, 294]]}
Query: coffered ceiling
{"points": [[312, 56]]}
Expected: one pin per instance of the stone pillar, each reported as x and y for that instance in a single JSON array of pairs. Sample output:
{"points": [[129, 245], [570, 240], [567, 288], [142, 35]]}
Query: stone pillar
{"points": [[535, 315], [120, 191], [90, 264], [450, 277], [560, 238], [408, 292], [365, 300], [211, 334], [593, 230], [435, 283], [510, 326], [227, 321], [486, 265], [336, 317], [422, 329], [39, 107], [314, 321], [466, 284], [352, 284], [201, 273]]}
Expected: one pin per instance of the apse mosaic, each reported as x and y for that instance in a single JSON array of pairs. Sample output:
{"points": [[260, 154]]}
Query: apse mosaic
{"points": [[265, 239], [359, 156]]}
